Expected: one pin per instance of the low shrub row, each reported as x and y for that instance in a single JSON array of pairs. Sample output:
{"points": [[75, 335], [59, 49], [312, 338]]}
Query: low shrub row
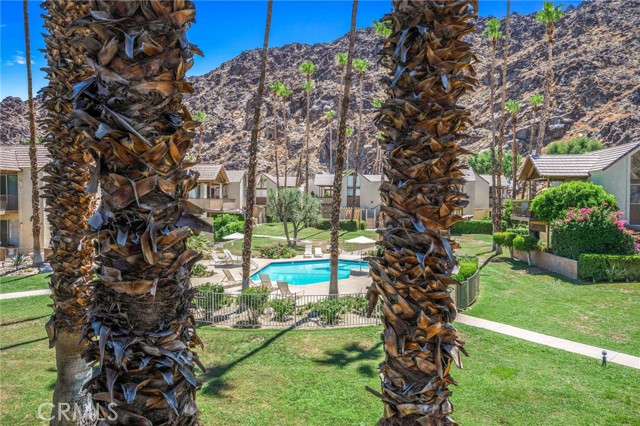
{"points": [[345, 225], [468, 268], [609, 267], [278, 251], [472, 227]]}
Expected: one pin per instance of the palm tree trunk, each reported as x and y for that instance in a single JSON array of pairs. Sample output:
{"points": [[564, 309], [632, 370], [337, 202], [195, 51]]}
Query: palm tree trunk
{"points": [[200, 137], [141, 329], [253, 158], [547, 90], [330, 147], [69, 207], [503, 114], [286, 142], [533, 135], [306, 137], [514, 152], [33, 155], [356, 151], [495, 215], [340, 156], [411, 279], [275, 143]]}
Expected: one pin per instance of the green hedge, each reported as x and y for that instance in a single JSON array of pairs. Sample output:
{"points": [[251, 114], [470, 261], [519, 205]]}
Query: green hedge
{"points": [[526, 243], [345, 225], [504, 239], [609, 267], [472, 227], [468, 267]]}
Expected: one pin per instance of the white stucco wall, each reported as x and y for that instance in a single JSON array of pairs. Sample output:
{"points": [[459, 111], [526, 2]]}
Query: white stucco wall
{"points": [[369, 193], [481, 194], [236, 190], [469, 188], [615, 180], [25, 211]]}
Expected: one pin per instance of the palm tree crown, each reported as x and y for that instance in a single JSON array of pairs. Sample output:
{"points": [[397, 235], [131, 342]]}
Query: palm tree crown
{"points": [[536, 100], [512, 106], [361, 65], [382, 29], [549, 13], [308, 68], [330, 114], [341, 59], [492, 32]]}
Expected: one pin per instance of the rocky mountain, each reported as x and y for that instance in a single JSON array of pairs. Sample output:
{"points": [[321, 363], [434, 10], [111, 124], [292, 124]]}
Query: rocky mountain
{"points": [[597, 91]]}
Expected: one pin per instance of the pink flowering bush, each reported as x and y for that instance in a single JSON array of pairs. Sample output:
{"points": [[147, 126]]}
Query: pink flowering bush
{"points": [[595, 230]]}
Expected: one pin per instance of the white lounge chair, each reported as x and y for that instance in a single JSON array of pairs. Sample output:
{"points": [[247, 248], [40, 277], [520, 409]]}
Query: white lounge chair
{"points": [[307, 251], [317, 252], [230, 256], [283, 287], [218, 259], [229, 278], [265, 281]]}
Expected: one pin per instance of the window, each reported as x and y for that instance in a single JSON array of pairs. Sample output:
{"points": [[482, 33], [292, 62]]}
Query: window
{"points": [[350, 186], [195, 192], [9, 233], [8, 192]]}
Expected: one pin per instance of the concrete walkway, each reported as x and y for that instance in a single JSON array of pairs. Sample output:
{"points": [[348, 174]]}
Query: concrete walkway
{"points": [[20, 294], [554, 342]]}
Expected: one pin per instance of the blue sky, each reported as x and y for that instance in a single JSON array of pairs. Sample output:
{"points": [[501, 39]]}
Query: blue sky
{"points": [[223, 30]]}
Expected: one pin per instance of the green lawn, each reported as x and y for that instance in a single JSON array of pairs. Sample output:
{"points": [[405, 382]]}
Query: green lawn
{"points": [[317, 377], [511, 292], [277, 230], [24, 283]]}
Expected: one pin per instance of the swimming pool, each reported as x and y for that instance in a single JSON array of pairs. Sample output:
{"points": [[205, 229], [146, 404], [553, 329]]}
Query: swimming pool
{"points": [[308, 272]]}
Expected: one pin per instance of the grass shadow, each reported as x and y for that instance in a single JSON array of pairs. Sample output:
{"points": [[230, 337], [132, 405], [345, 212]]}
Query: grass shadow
{"points": [[521, 265], [4, 324], [4, 348], [352, 353]]}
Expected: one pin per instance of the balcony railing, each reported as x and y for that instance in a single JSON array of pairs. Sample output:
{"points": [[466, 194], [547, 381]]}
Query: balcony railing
{"points": [[214, 204], [521, 210], [8, 203]]}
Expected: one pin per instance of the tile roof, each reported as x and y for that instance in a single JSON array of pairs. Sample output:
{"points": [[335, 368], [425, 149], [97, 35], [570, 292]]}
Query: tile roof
{"points": [[208, 172], [16, 157], [469, 175], [373, 178], [324, 180], [577, 165], [292, 181], [235, 175], [503, 179]]}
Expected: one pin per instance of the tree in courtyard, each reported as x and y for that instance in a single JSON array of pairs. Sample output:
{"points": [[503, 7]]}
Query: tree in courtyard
{"points": [[253, 157], [493, 33], [360, 66], [341, 150], [512, 106], [307, 68], [139, 131], [535, 101], [33, 155], [548, 16], [69, 208], [203, 118], [330, 115], [422, 120], [295, 206], [481, 162]]}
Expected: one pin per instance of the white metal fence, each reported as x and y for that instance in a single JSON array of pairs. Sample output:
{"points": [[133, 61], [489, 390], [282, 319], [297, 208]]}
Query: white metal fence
{"points": [[275, 310]]}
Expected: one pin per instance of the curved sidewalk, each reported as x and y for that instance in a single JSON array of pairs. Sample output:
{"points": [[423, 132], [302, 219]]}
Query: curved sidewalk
{"points": [[554, 342], [20, 294]]}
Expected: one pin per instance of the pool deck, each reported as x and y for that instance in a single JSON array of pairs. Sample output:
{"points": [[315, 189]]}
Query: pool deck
{"points": [[351, 285]]}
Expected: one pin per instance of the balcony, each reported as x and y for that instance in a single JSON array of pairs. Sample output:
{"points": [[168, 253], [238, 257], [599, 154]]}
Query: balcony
{"points": [[520, 210], [325, 200], [215, 204], [8, 203]]}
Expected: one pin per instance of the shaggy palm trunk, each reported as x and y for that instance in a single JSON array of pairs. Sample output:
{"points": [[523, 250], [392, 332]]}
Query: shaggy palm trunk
{"points": [[514, 152], [330, 147], [253, 158], [69, 207], [495, 176], [548, 86], [306, 137], [341, 151], [33, 156], [423, 122], [286, 141], [503, 112], [141, 329], [533, 136], [275, 143], [200, 140], [356, 151]]}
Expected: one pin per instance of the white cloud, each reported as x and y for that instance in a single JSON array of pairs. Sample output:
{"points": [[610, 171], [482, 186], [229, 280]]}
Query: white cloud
{"points": [[17, 59]]}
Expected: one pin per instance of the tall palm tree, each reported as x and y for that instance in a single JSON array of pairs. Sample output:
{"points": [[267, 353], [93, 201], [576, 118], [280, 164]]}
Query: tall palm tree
{"points": [[203, 118], [330, 115], [360, 66], [69, 207], [307, 68], [535, 101], [513, 108], [140, 131], [284, 92], [341, 153], [548, 16], [341, 63], [33, 154], [503, 115], [423, 120], [382, 29], [377, 165], [273, 88], [493, 33], [253, 158]]}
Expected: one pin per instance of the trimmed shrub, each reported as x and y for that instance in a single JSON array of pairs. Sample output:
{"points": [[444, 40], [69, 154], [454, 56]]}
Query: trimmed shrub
{"points": [[216, 300], [329, 310], [526, 243], [198, 270], [345, 225], [468, 267], [592, 230], [472, 227], [278, 251], [505, 239], [518, 231], [609, 267], [227, 224], [356, 304], [553, 203], [255, 301], [282, 308]]}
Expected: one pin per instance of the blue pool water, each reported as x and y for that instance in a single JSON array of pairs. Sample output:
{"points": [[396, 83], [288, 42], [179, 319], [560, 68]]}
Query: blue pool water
{"points": [[308, 272]]}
